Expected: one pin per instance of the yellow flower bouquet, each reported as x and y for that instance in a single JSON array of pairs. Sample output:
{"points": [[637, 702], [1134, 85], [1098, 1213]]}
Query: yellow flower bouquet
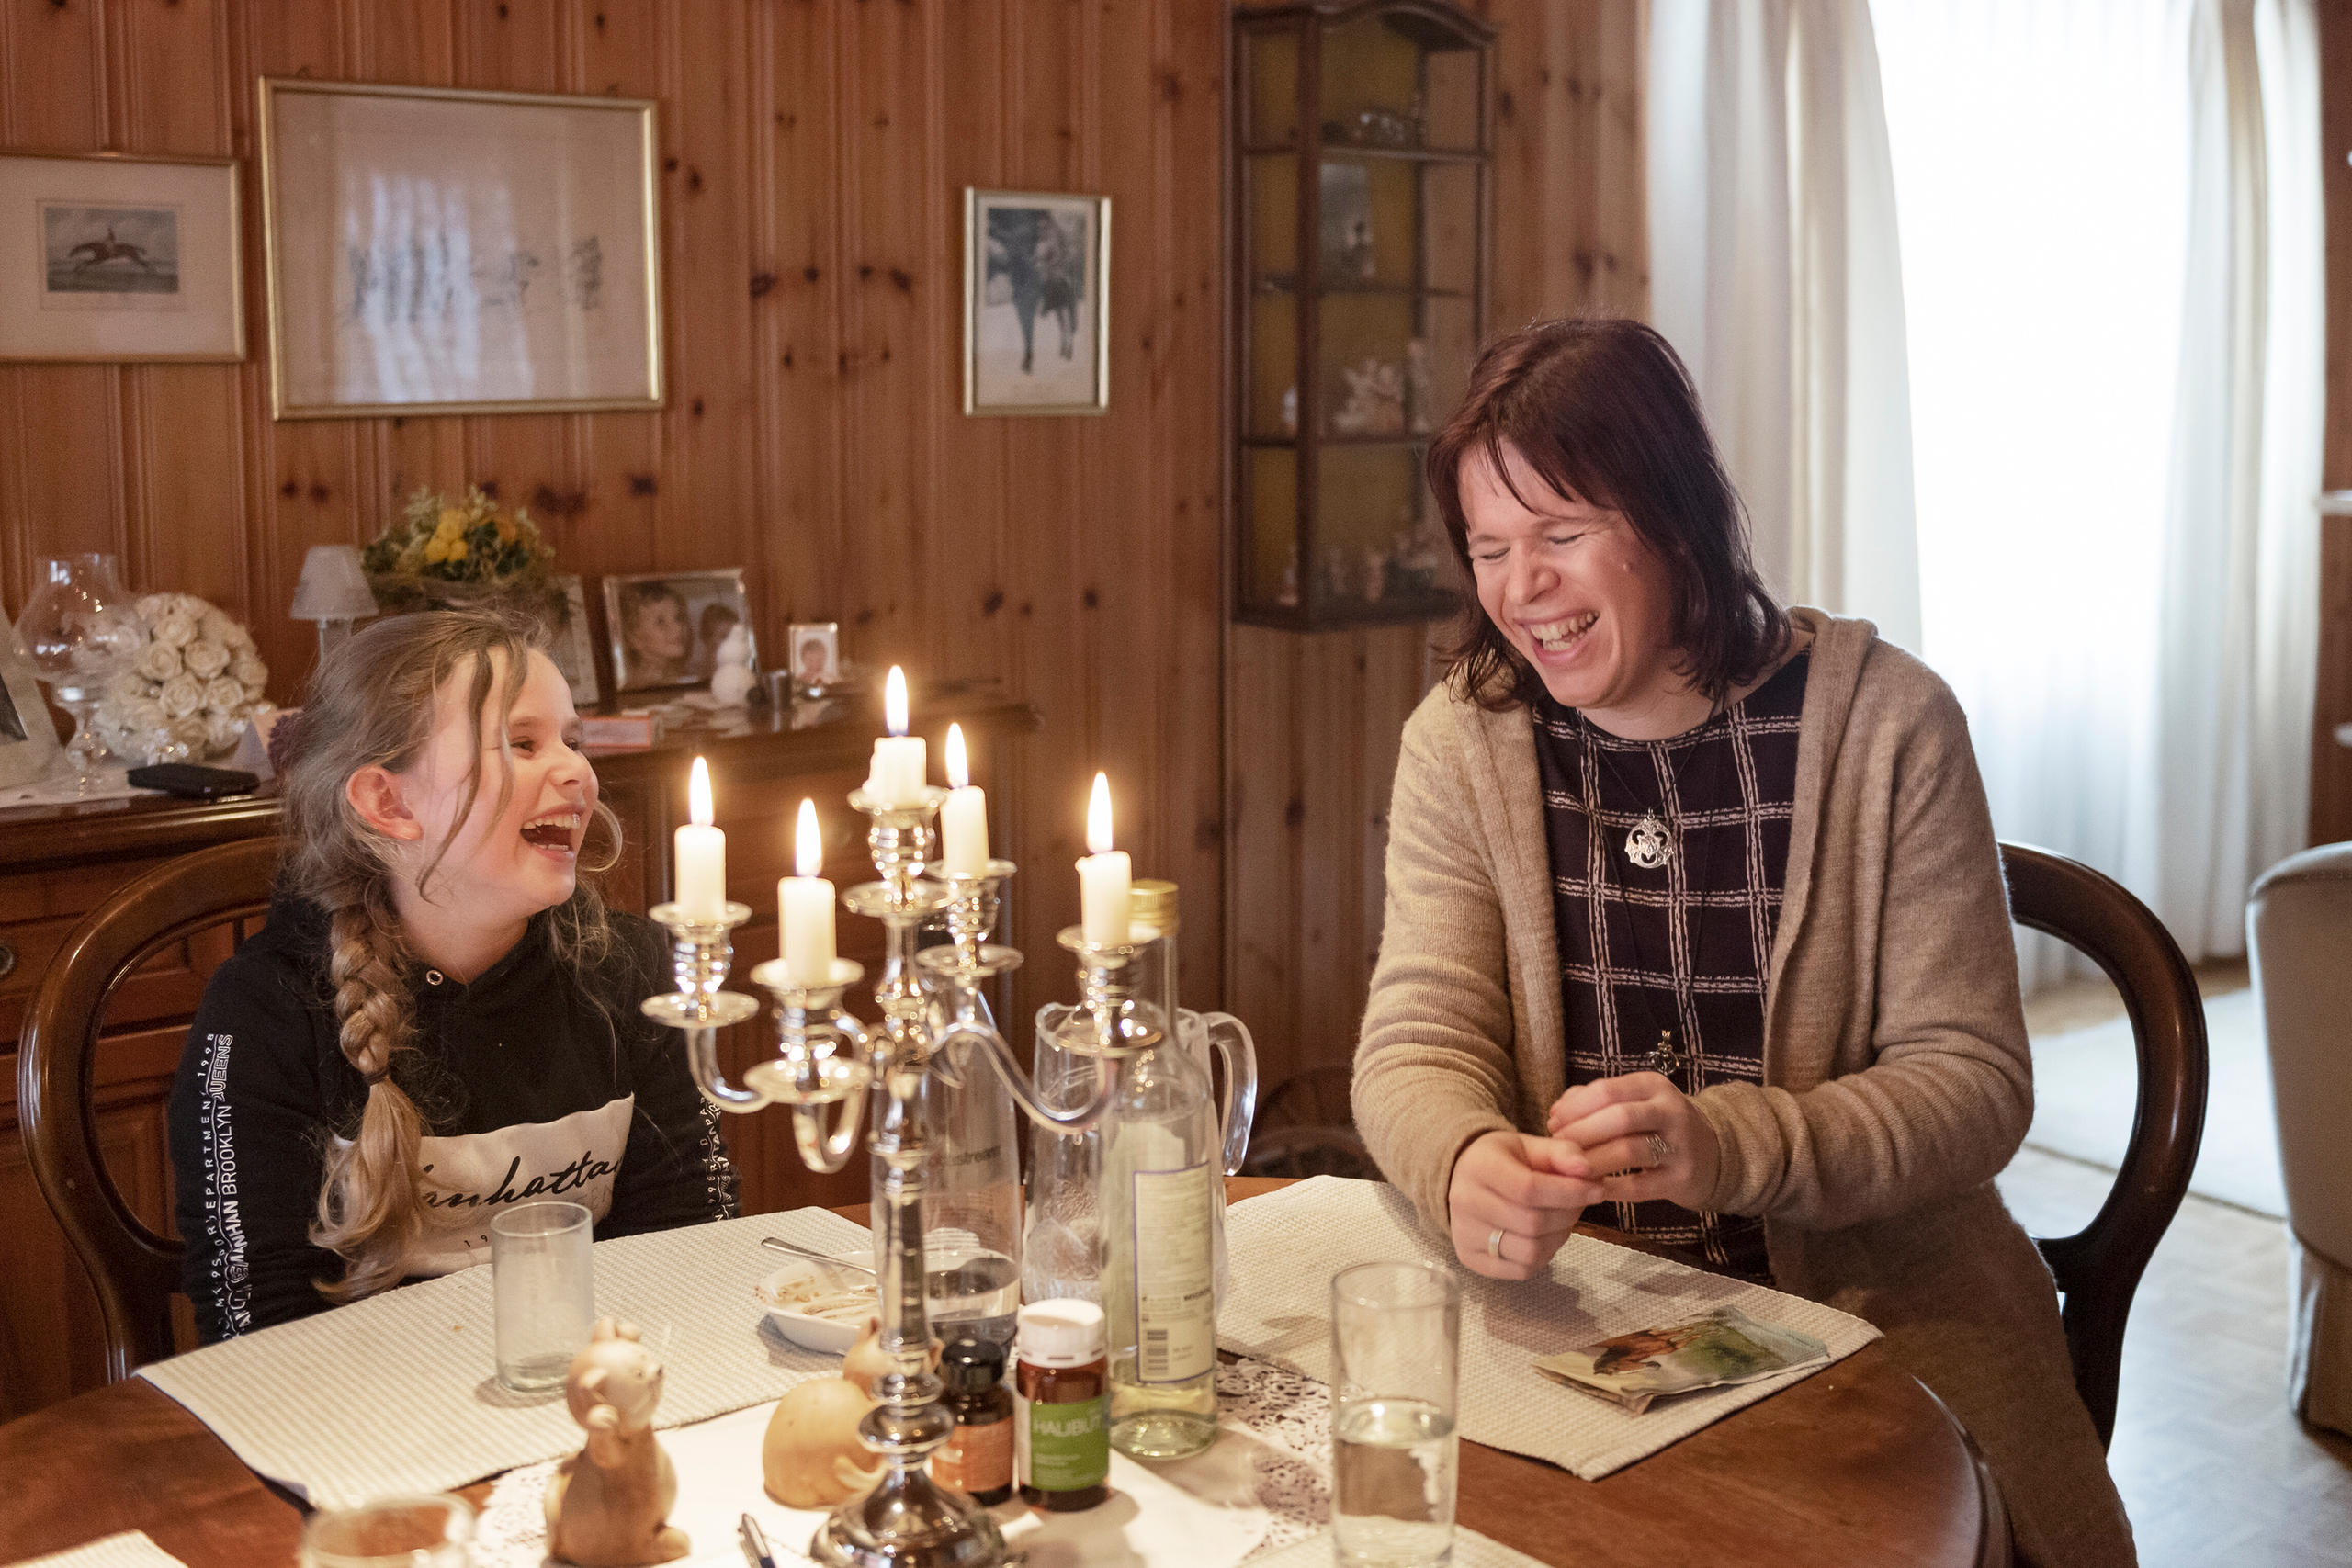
{"points": [[442, 555]]}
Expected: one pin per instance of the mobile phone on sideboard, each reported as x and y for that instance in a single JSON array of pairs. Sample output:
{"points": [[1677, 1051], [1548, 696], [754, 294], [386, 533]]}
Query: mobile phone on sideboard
{"points": [[192, 782]]}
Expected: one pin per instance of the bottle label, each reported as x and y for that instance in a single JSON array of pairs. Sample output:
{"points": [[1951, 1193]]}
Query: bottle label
{"points": [[1064, 1447], [976, 1458], [1175, 1275]]}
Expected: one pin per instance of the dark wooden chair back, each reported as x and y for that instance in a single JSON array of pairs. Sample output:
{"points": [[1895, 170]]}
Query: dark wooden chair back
{"points": [[2099, 1267], [1306, 1127], [134, 1270]]}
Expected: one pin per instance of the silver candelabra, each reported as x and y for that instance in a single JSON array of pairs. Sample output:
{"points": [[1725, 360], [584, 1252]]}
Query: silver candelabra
{"points": [[826, 1066]]}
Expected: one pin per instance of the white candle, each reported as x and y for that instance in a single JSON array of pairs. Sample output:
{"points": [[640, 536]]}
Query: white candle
{"points": [[964, 820], [701, 853], [900, 765], [805, 906], [1105, 878]]}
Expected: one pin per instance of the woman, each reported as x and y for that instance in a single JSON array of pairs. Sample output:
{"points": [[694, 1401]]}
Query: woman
{"points": [[1696, 919], [440, 1018]]}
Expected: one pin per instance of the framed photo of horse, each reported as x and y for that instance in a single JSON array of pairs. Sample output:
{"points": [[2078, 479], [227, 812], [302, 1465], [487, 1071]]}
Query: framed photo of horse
{"points": [[108, 257], [1036, 302]]}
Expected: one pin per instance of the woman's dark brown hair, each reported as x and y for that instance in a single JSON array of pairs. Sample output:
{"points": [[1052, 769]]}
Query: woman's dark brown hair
{"points": [[1603, 413]]}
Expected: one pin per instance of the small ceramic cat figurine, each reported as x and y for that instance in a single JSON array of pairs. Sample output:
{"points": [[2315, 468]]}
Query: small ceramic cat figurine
{"points": [[608, 1505]]}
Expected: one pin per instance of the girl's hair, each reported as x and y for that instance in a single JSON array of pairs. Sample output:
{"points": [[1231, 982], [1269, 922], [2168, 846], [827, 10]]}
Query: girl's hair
{"points": [[372, 704], [1603, 410]]}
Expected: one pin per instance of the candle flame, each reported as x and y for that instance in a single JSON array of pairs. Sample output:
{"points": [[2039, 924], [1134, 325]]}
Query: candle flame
{"points": [[1098, 817], [698, 795], [893, 701], [960, 768], [809, 847]]}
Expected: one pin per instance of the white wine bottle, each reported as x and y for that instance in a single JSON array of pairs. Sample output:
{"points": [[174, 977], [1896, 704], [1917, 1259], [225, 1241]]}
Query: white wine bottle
{"points": [[1161, 1182]]}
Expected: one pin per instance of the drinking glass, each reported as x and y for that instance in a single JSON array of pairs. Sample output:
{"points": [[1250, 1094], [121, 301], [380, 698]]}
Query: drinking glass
{"points": [[1396, 1365], [391, 1532], [544, 1287], [80, 629]]}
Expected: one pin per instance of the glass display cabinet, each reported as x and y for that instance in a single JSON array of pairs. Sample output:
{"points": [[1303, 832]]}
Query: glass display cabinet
{"points": [[1363, 132]]}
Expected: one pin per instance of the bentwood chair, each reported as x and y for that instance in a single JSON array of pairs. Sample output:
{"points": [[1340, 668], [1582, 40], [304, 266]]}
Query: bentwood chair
{"points": [[2099, 1267], [1306, 1128], [135, 1272]]}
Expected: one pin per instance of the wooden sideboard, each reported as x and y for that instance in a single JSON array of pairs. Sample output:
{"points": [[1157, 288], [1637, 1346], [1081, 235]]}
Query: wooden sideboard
{"points": [[58, 863]]}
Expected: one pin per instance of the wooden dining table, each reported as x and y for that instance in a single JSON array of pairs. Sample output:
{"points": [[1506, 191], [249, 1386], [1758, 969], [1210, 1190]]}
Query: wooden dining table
{"points": [[1857, 1464]]}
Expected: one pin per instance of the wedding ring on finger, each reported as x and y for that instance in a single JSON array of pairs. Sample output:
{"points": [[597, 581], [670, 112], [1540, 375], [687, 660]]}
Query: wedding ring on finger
{"points": [[1661, 1150], [1495, 1244]]}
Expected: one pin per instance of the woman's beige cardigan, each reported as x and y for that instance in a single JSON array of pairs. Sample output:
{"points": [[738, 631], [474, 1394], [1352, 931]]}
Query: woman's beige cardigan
{"points": [[1897, 1077]]}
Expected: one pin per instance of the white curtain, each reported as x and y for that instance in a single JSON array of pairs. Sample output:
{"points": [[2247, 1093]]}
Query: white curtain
{"points": [[2110, 214], [1776, 273]]}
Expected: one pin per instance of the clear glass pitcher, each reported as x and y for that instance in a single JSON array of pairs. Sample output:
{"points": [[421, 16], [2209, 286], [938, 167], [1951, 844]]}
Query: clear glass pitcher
{"points": [[1062, 1240]]}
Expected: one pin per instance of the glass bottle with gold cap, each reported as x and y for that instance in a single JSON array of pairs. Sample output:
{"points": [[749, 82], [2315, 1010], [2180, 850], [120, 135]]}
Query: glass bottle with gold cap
{"points": [[1162, 1194]]}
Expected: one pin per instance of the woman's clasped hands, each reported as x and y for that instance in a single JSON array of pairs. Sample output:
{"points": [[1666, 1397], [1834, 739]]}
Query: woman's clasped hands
{"points": [[1515, 1199]]}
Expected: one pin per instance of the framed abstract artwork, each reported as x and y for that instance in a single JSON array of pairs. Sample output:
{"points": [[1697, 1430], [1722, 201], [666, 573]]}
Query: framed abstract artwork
{"points": [[109, 257], [436, 251], [1036, 302]]}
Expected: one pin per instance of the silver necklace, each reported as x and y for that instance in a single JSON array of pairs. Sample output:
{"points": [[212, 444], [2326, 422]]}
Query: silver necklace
{"points": [[1648, 843]]}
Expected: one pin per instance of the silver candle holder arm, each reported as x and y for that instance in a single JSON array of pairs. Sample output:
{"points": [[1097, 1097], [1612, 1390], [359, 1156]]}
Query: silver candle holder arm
{"points": [[832, 1071]]}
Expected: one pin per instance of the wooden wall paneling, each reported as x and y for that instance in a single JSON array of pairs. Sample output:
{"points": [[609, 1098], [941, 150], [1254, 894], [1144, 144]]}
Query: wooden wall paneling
{"points": [[1267, 708], [1188, 414], [798, 317]]}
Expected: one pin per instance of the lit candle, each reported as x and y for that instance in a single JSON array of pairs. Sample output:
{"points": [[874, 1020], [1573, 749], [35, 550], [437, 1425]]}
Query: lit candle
{"points": [[805, 906], [701, 853], [897, 777], [964, 820], [1105, 877]]}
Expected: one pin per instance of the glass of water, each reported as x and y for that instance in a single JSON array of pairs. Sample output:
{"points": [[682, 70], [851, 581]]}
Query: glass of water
{"points": [[1396, 1352], [544, 1284], [391, 1532]]}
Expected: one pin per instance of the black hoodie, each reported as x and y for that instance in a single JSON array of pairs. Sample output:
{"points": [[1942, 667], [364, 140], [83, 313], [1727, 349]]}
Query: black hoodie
{"points": [[528, 1087]]}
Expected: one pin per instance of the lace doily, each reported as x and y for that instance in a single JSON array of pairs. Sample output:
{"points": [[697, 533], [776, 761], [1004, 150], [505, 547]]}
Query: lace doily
{"points": [[1290, 1415]]}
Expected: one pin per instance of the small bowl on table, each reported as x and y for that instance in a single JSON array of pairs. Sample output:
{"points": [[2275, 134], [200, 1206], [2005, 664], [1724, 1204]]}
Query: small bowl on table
{"points": [[803, 1280]]}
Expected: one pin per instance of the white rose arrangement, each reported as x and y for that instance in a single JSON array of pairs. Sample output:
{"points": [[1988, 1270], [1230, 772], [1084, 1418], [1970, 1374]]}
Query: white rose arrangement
{"points": [[191, 690]]}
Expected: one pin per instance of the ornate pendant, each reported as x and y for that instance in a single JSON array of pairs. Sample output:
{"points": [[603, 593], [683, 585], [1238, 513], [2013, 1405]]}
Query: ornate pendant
{"points": [[1647, 845], [1664, 1058]]}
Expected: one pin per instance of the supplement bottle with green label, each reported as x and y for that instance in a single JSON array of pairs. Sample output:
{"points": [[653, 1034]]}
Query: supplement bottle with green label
{"points": [[1062, 1456]]}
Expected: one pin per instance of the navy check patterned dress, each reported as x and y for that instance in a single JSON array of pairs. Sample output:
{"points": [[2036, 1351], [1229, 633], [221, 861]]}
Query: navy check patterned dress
{"points": [[1684, 947]]}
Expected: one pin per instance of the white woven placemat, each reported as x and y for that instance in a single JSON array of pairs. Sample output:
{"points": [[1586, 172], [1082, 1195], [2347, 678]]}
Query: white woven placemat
{"points": [[1286, 1245], [395, 1393], [131, 1549], [1471, 1549]]}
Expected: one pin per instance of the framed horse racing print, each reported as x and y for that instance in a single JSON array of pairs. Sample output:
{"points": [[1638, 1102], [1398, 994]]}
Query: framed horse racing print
{"points": [[105, 256], [1036, 302], [433, 250]]}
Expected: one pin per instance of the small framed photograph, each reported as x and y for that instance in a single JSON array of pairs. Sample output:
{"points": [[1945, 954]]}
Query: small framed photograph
{"points": [[573, 650], [816, 655], [27, 744], [1036, 302], [666, 626], [436, 250], [108, 257]]}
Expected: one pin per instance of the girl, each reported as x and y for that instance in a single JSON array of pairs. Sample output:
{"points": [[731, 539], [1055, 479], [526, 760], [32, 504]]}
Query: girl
{"points": [[656, 636], [440, 1019]]}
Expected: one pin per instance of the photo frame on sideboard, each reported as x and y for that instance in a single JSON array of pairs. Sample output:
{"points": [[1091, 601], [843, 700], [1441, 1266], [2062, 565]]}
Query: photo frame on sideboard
{"points": [[29, 746], [664, 627], [120, 259], [436, 250]]}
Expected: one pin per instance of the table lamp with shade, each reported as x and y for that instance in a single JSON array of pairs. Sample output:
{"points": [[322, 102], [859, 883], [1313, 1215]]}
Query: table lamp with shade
{"points": [[334, 592]]}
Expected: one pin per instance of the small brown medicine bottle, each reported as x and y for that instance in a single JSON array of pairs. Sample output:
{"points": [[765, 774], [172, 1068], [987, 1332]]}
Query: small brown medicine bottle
{"points": [[977, 1458], [1061, 1454]]}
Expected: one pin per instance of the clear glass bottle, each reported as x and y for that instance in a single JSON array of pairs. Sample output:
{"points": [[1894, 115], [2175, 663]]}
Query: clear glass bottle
{"points": [[1163, 1190], [971, 1202]]}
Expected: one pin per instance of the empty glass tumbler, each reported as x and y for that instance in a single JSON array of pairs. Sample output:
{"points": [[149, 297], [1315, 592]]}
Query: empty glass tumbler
{"points": [[544, 1285], [1395, 1371]]}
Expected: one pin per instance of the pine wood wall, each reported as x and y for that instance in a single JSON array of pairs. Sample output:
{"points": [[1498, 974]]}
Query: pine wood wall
{"points": [[814, 155], [1316, 718], [2331, 759]]}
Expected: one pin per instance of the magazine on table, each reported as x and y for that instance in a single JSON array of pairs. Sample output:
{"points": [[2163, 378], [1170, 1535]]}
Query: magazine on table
{"points": [[1710, 1351]]}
